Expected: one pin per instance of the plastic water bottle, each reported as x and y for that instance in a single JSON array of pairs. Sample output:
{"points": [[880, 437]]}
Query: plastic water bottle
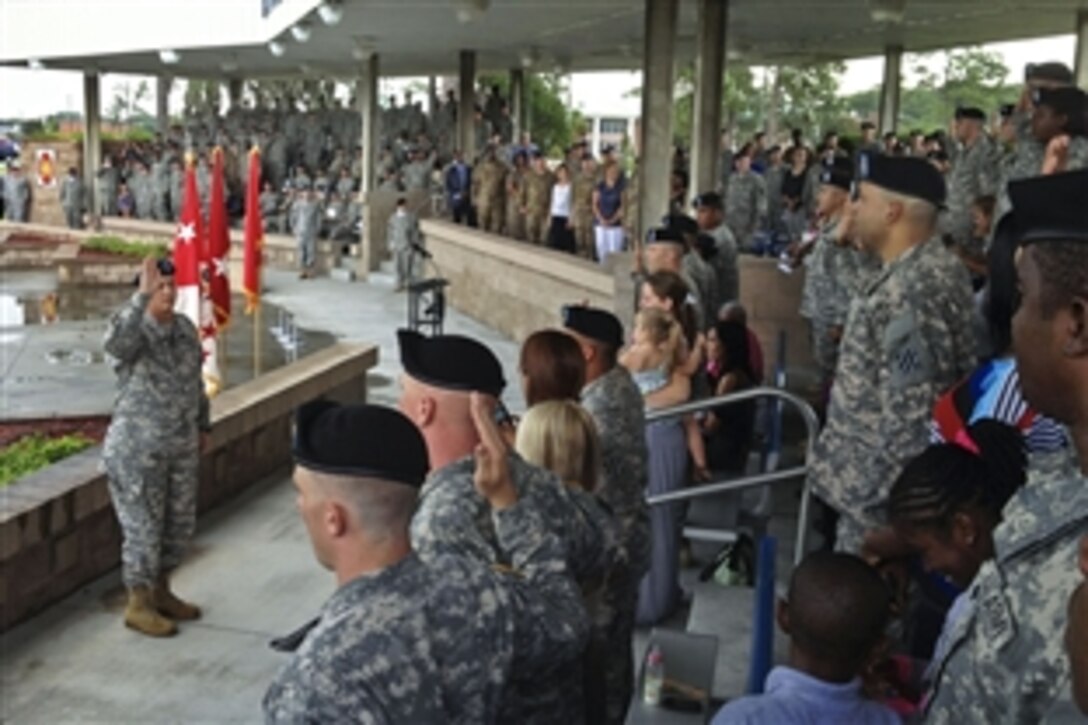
{"points": [[653, 676]]}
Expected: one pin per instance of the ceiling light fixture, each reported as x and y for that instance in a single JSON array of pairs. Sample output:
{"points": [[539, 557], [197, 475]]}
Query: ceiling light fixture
{"points": [[469, 10], [277, 48], [330, 12], [888, 11], [169, 57], [302, 31], [35, 64]]}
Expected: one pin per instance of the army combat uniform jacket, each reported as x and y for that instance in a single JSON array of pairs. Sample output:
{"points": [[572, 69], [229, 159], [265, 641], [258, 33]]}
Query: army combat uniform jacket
{"points": [[908, 337], [1006, 660], [436, 642]]}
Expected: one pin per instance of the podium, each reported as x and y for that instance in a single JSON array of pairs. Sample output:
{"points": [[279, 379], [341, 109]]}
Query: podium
{"points": [[427, 304]]}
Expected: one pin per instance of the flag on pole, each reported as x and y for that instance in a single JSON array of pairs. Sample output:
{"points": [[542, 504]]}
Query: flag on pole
{"points": [[218, 245], [254, 235], [187, 249]]}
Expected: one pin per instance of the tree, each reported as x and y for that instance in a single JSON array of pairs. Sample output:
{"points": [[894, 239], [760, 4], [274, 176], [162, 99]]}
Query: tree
{"points": [[551, 121], [741, 103], [127, 100], [808, 97]]}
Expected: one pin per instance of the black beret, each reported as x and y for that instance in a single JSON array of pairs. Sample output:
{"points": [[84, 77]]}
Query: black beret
{"points": [[1067, 100], [707, 245], [937, 156], [971, 112], [450, 362], [1006, 109], [1050, 208], [1053, 72], [904, 175], [664, 235], [839, 172], [594, 323], [536, 154], [359, 440], [916, 132], [166, 269], [681, 223], [710, 199]]}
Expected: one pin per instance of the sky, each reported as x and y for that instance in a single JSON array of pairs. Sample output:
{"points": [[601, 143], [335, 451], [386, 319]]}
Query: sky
{"points": [[31, 94]]}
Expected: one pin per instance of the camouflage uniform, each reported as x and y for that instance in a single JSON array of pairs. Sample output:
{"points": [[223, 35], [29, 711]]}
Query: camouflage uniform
{"points": [[489, 181], [700, 274], [1006, 661], [772, 180], [453, 518], [151, 452], [830, 284], [105, 189], [745, 206], [271, 211], [436, 642], [515, 222], [401, 236], [908, 337], [140, 186], [536, 197], [1026, 161], [725, 265], [616, 406], [582, 213], [305, 224], [973, 175], [71, 200]]}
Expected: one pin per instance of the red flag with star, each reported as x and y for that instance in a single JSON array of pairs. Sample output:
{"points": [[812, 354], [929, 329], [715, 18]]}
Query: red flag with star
{"points": [[187, 248], [218, 245], [254, 235]]}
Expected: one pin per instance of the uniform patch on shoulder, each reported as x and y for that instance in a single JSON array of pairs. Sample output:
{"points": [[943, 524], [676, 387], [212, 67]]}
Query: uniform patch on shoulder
{"points": [[908, 355], [996, 619]]}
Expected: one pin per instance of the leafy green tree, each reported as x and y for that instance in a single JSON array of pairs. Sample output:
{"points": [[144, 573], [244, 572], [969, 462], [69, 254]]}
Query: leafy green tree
{"points": [[808, 97], [741, 103], [128, 99], [551, 121]]}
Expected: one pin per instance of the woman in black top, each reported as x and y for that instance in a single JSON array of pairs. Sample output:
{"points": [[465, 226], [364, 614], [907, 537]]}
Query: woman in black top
{"points": [[793, 191], [728, 429]]}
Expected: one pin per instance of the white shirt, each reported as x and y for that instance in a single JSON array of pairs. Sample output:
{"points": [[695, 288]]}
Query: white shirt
{"points": [[561, 200]]}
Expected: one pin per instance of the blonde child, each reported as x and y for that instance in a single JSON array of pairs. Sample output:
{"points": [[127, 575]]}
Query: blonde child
{"points": [[656, 350]]}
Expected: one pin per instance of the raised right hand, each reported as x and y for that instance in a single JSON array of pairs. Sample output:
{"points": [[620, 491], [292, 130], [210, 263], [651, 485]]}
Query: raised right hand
{"points": [[492, 477], [149, 276]]}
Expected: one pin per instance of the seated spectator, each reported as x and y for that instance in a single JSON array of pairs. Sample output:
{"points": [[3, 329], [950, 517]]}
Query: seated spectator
{"points": [[835, 615], [728, 429], [126, 202]]}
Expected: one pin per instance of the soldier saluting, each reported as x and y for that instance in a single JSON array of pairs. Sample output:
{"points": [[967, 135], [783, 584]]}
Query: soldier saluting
{"points": [[152, 448]]}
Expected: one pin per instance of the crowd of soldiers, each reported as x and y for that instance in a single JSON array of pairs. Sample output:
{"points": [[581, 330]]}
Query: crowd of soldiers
{"points": [[534, 624]]}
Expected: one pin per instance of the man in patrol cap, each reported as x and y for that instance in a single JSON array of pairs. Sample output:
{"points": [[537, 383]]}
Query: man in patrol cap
{"points": [[908, 337], [709, 214], [152, 448], [404, 641], [974, 174], [440, 374], [1006, 659], [664, 250], [613, 400]]}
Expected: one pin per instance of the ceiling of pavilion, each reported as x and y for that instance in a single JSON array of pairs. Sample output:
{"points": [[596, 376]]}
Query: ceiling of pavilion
{"points": [[423, 37]]}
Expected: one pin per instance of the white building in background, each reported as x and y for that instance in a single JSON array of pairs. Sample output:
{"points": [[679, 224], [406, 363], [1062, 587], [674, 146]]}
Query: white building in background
{"points": [[606, 102]]}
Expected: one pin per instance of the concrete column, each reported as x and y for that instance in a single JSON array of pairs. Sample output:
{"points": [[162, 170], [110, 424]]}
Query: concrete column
{"points": [[595, 136], [655, 159], [163, 84], [92, 140], [1081, 53], [889, 90], [234, 93], [432, 94], [466, 111], [518, 102], [707, 113], [366, 95]]}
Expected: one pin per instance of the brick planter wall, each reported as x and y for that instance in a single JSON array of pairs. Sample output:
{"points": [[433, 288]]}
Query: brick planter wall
{"points": [[58, 530]]}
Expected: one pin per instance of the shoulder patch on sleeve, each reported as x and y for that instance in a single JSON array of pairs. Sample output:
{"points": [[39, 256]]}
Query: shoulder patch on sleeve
{"points": [[908, 356]]}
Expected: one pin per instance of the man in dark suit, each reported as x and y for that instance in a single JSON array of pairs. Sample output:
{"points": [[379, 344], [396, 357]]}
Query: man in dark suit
{"points": [[459, 190]]}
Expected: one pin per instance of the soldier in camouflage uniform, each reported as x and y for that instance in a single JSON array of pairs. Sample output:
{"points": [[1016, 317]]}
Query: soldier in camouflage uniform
{"points": [[105, 184], [440, 373], [515, 178], [489, 181], [582, 206], [908, 336], [973, 175], [745, 201], [71, 199], [693, 267], [405, 639], [611, 397], [152, 448], [271, 209], [403, 237], [536, 199], [140, 184], [709, 216], [306, 213], [1006, 661]]}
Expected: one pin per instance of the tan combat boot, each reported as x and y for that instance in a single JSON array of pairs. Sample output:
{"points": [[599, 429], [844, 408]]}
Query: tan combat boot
{"points": [[167, 603], [140, 615]]}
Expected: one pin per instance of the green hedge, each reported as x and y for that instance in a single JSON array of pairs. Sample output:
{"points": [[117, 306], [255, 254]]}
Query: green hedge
{"points": [[125, 247], [34, 452]]}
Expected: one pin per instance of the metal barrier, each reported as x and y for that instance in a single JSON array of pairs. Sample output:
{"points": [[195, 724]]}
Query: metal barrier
{"points": [[812, 427]]}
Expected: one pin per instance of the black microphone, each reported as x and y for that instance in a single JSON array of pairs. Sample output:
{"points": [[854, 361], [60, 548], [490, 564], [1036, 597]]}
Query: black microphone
{"points": [[421, 251]]}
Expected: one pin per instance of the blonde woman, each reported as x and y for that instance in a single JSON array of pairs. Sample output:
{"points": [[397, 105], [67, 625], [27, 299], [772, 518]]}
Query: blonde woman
{"points": [[560, 435]]}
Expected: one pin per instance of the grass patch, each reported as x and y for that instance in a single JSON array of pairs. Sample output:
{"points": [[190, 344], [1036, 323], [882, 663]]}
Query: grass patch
{"points": [[35, 452], [125, 247]]}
